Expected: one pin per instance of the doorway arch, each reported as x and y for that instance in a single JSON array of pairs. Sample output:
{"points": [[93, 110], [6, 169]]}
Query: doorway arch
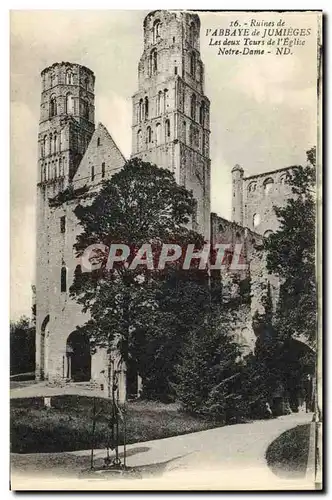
{"points": [[78, 356]]}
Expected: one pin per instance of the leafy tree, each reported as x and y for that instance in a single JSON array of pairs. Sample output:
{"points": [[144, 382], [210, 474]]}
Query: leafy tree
{"points": [[22, 346], [145, 313], [291, 255], [209, 374]]}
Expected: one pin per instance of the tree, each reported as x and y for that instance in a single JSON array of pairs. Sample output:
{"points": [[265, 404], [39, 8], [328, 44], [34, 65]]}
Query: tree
{"points": [[209, 373], [143, 313], [291, 255], [22, 346]]}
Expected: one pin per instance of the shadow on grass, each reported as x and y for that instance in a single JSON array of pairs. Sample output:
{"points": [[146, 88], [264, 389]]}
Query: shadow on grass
{"points": [[287, 456]]}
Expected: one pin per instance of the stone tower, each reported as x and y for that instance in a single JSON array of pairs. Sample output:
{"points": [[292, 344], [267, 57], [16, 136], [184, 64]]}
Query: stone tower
{"points": [[65, 130], [171, 114], [237, 194]]}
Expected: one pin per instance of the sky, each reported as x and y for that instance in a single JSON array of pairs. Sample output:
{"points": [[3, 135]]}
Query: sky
{"points": [[263, 112]]}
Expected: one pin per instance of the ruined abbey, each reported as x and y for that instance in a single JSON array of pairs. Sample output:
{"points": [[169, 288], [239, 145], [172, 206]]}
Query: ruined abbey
{"points": [[171, 128]]}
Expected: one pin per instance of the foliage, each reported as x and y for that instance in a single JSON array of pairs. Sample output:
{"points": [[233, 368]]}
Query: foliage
{"points": [[291, 255], [209, 374], [22, 346], [144, 313]]}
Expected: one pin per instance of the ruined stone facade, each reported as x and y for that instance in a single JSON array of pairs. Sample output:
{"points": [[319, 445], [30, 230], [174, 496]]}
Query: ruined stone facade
{"points": [[255, 196], [170, 127]]}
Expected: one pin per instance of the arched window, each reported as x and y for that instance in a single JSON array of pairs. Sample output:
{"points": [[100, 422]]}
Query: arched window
{"points": [[165, 100], [55, 170], [63, 279], [55, 142], [193, 64], [159, 101], [53, 110], [139, 140], [202, 113], [158, 134], [69, 104], [103, 170], [153, 61], [43, 151], [256, 220], [69, 78], [252, 187], [60, 168], [192, 33], [148, 135], [268, 184], [146, 108], [86, 83], [156, 31], [140, 110], [193, 107], [50, 144], [44, 172], [167, 129], [267, 233], [92, 173], [184, 132]]}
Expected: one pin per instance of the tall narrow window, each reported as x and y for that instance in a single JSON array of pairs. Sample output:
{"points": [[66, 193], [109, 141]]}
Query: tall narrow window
{"points": [[146, 108], [193, 64], [192, 32], [148, 135], [158, 134], [193, 107], [98, 141], [167, 129], [52, 80], [156, 31], [175, 70], [202, 113], [159, 101], [191, 135], [53, 110], [86, 83], [153, 62], [139, 140], [165, 100], [184, 132], [69, 104], [103, 170], [63, 279], [60, 168], [69, 78], [55, 142], [140, 110], [268, 184], [92, 173]]}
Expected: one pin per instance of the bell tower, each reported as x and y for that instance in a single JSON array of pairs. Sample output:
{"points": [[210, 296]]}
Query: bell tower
{"points": [[171, 114], [66, 122], [65, 129]]}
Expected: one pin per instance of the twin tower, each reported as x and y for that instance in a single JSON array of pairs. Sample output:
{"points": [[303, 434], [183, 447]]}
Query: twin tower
{"points": [[170, 123]]}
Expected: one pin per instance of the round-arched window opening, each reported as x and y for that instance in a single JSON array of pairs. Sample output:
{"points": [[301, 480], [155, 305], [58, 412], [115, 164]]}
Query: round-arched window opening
{"points": [[252, 187], [256, 220], [267, 233], [268, 184], [221, 227]]}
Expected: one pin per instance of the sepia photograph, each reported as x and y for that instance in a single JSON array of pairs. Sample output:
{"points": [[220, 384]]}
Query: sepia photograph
{"points": [[166, 250]]}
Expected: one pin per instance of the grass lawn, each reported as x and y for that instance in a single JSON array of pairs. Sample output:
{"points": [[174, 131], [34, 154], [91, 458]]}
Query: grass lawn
{"points": [[287, 456], [67, 426]]}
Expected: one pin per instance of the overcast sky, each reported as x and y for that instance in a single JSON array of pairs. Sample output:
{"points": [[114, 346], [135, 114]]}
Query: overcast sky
{"points": [[263, 108]]}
